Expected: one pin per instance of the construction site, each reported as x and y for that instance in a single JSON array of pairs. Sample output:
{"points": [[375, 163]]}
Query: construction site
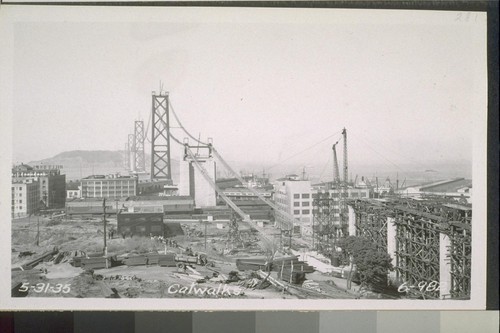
{"points": [[210, 238]]}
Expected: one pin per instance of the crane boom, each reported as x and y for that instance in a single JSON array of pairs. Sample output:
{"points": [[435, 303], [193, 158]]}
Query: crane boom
{"points": [[336, 175], [229, 202], [343, 196], [344, 134], [289, 217]]}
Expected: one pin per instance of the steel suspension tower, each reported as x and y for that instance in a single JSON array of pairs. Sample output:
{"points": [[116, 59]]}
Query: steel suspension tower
{"points": [[139, 158], [160, 138], [126, 157], [131, 152]]}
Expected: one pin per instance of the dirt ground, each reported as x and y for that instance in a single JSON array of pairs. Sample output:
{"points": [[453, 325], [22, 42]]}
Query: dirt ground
{"points": [[34, 236]]}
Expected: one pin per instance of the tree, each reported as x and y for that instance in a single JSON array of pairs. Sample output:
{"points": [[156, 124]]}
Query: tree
{"points": [[372, 264]]}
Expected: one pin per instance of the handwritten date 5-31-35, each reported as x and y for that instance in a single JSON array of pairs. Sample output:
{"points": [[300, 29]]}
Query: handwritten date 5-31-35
{"points": [[46, 288]]}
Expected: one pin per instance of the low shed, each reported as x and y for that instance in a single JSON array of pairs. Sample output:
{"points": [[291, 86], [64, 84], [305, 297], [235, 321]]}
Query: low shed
{"points": [[142, 224]]}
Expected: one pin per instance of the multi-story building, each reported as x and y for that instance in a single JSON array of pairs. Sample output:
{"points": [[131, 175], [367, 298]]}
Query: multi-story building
{"points": [[111, 186], [25, 197], [293, 198], [52, 182]]}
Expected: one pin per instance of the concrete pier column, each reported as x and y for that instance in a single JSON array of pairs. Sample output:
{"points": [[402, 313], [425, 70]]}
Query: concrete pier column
{"points": [[392, 246], [444, 266], [352, 220]]}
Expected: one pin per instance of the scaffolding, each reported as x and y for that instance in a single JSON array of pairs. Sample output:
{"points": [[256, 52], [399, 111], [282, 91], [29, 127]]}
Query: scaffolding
{"points": [[371, 223], [420, 227]]}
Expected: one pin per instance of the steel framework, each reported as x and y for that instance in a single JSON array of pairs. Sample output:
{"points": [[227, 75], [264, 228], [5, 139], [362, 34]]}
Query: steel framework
{"points": [[419, 225], [327, 228], [417, 248], [459, 230], [139, 158], [371, 222], [126, 157], [160, 138], [131, 152]]}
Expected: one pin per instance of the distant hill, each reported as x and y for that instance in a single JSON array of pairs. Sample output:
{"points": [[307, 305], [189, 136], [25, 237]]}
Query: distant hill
{"points": [[85, 157], [82, 163]]}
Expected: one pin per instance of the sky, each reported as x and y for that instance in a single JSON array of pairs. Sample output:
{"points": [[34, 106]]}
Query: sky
{"points": [[270, 86]]}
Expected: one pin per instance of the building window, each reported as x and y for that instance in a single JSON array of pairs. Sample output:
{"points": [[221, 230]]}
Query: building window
{"points": [[296, 212], [140, 228], [305, 195], [305, 203], [296, 196], [305, 211], [155, 228], [296, 204]]}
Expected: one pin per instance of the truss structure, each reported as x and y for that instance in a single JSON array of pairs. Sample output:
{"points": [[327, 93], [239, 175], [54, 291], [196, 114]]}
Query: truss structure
{"points": [[420, 225], [131, 152], [126, 157], [459, 230], [371, 222], [139, 158], [417, 249], [327, 225], [160, 138]]}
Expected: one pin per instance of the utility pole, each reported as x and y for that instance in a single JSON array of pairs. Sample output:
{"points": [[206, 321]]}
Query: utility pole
{"points": [[313, 233], [38, 231], [104, 226], [206, 222]]}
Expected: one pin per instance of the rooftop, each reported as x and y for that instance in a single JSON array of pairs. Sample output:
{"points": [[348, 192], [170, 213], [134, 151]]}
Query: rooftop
{"points": [[114, 176], [451, 185], [161, 198]]}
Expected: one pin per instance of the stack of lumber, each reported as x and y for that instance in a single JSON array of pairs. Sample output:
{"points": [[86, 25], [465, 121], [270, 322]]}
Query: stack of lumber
{"points": [[166, 260], [44, 257], [292, 276], [251, 263], [136, 260], [292, 264], [292, 270], [94, 263]]}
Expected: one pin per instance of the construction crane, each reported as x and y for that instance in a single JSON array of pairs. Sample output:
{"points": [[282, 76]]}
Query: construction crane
{"points": [[344, 134], [343, 192], [336, 175]]}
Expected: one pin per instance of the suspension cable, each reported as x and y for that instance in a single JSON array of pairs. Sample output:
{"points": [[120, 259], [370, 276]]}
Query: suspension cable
{"points": [[230, 203], [300, 152], [181, 126], [257, 193]]}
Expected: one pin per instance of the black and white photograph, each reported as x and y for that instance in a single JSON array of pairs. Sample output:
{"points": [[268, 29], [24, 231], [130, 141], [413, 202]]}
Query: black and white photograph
{"points": [[243, 158]]}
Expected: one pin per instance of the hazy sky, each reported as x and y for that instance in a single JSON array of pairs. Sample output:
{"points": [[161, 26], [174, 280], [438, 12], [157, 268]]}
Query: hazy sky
{"points": [[265, 84]]}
